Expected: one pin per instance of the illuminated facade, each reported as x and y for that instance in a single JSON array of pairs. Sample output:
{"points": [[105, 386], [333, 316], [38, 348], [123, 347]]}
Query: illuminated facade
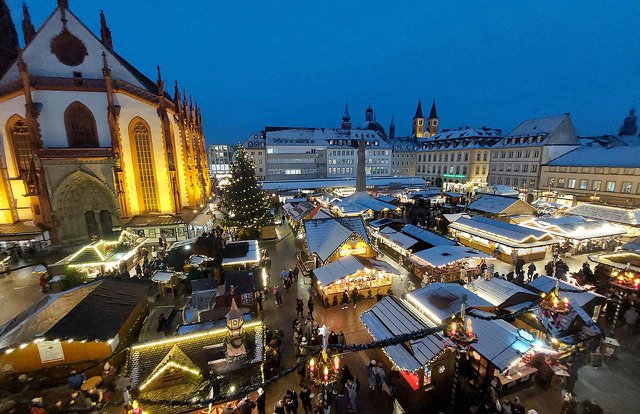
{"points": [[88, 141]]}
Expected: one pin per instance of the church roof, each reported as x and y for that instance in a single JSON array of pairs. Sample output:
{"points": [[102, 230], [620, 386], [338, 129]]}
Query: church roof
{"points": [[419, 110], [372, 126], [433, 113]]}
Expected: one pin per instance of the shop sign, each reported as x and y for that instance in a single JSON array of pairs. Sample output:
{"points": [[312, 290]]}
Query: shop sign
{"points": [[50, 351]]}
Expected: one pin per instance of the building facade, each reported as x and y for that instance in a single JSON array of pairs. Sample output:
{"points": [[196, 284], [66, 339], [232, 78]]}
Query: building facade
{"points": [[220, 157], [517, 159], [457, 160], [255, 145], [88, 141]]}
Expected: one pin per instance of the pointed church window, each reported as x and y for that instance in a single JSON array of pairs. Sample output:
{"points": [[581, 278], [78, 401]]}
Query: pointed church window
{"points": [[81, 126], [22, 149]]}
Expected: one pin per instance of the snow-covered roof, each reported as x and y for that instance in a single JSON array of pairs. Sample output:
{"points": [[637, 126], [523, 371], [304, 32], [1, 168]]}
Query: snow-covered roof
{"points": [[393, 316], [462, 138], [537, 126], [574, 227], [546, 284], [348, 265], [499, 342], [379, 223], [496, 204], [309, 184], [426, 236], [325, 236], [299, 211], [616, 214], [387, 199], [360, 202], [504, 233], [501, 292], [398, 238], [440, 301], [322, 137], [443, 255], [600, 156], [571, 328], [501, 190], [252, 254]]}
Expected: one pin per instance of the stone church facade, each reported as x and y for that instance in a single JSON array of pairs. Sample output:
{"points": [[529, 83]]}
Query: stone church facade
{"points": [[87, 141]]}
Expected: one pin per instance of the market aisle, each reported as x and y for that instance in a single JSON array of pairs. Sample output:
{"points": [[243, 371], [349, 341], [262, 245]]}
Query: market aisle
{"points": [[18, 290]]}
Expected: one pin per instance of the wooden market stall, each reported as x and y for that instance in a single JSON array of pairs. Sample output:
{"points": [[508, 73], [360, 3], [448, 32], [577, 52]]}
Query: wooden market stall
{"points": [[329, 239], [240, 255], [370, 276], [446, 263], [504, 241]]}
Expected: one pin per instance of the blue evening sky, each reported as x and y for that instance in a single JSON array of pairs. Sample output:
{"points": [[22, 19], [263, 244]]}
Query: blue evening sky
{"points": [[283, 62]]}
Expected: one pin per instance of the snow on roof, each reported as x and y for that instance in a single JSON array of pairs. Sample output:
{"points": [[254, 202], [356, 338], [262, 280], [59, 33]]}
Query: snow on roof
{"points": [[467, 132], [505, 233], [440, 301], [600, 156], [348, 265], [426, 236], [379, 223], [322, 137], [500, 292], [379, 182], [325, 236], [386, 199], [608, 213], [499, 342], [537, 126], [299, 211], [443, 255], [495, 204], [546, 284], [564, 328], [393, 316], [252, 254], [398, 238], [360, 202], [574, 227], [502, 190], [454, 217]]}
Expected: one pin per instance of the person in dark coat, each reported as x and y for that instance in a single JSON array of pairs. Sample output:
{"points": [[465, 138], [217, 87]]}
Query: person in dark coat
{"points": [[261, 401], [310, 305], [341, 402], [245, 406], [305, 398]]}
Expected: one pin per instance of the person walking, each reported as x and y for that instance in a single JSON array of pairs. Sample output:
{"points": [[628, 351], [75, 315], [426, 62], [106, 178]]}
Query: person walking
{"points": [[379, 376], [305, 399], [245, 406], [261, 402], [259, 299], [342, 340], [283, 275], [371, 374], [310, 305], [531, 270], [299, 307], [354, 296], [279, 408], [345, 299], [352, 387], [341, 402]]}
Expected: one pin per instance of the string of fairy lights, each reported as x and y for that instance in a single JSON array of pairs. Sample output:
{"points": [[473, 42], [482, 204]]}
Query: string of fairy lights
{"points": [[237, 393]]}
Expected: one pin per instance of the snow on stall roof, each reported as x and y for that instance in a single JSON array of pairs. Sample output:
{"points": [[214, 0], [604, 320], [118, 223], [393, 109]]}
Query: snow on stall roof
{"points": [[499, 342], [299, 211], [546, 284], [502, 190], [440, 301], [348, 265], [608, 213], [498, 291], [324, 236], [393, 316], [426, 236], [379, 223], [398, 238], [505, 233], [248, 251], [443, 255], [494, 204], [386, 199], [574, 227], [362, 201], [310, 184]]}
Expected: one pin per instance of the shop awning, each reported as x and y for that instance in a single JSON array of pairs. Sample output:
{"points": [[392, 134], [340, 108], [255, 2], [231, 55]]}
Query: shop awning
{"points": [[200, 220], [349, 265]]}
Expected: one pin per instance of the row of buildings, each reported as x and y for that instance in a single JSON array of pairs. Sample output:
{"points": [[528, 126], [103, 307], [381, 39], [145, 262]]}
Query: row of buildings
{"points": [[88, 142], [543, 158]]}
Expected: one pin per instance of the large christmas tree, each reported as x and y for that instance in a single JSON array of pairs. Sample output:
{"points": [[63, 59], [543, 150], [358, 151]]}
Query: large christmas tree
{"points": [[244, 203]]}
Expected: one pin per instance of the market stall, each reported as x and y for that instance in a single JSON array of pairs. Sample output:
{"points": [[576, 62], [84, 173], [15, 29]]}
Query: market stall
{"points": [[370, 276], [578, 235], [446, 263], [167, 281], [505, 241], [241, 255], [629, 219]]}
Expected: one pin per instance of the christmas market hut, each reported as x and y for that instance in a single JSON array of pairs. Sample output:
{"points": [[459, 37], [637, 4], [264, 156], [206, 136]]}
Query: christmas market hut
{"points": [[370, 276], [446, 263], [502, 294], [328, 239], [500, 206], [241, 255], [202, 360], [590, 301], [578, 235], [241, 286], [361, 204], [627, 218], [295, 213], [505, 241], [77, 327], [427, 363]]}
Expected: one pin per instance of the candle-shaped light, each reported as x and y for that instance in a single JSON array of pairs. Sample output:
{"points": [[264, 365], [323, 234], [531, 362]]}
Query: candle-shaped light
{"points": [[566, 302], [453, 328], [326, 374], [336, 363], [469, 328], [312, 364]]}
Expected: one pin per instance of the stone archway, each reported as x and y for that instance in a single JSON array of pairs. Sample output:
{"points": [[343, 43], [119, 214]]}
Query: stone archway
{"points": [[83, 206]]}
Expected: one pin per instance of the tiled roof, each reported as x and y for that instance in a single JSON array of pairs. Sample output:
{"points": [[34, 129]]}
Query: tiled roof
{"points": [[19, 231]]}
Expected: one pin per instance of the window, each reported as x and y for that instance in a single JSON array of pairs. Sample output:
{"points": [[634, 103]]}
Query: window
{"points": [[143, 154], [484, 169], [516, 167], [477, 169], [584, 184], [502, 154], [536, 153], [80, 126], [459, 157], [501, 167], [518, 154], [525, 167], [596, 184], [466, 156], [626, 187], [484, 156], [508, 167], [22, 150], [561, 182], [527, 154], [571, 183], [493, 167], [611, 186], [510, 154], [552, 181], [507, 180], [464, 169], [478, 156], [534, 167]]}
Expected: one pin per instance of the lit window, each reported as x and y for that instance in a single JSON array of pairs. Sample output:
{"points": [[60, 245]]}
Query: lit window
{"points": [[596, 184], [611, 186], [144, 162], [626, 187]]}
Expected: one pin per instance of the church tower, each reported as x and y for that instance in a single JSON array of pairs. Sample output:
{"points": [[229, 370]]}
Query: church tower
{"points": [[8, 38], [28, 30], [630, 124], [433, 121], [368, 114], [418, 122], [392, 128], [346, 118]]}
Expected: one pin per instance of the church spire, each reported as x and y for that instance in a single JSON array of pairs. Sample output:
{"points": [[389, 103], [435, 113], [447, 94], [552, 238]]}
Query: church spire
{"points": [[433, 121], [392, 128], [346, 118], [630, 124], [8, 38], [417, 130], [63, 4], [105, 32], [160, 82], [28, 30], [419, 110]]}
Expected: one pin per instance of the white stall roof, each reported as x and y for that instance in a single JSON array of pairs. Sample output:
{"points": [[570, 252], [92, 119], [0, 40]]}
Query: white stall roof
{"points": [[443, 255], [360, 202], [630, 217], [398, 238], [393, 316], [494, 204], [546, 284], [499, 342], [501, 232], [574, 227], [498, 291], [440, 301], [349, 265], [252, 254], [426, 236], [324, 236]]}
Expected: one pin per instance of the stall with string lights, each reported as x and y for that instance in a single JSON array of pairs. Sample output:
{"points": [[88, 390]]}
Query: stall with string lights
{"points": [[447, 263]]}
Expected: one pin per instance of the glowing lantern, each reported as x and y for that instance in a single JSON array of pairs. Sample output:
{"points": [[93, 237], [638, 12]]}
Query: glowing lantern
{"points": [[326, 374], [312, 364]]}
